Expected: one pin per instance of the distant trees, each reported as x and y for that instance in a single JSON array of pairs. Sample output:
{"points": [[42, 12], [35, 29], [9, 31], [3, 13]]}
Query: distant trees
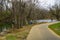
{"points": [[55, 11], [1, 5], [4, 11]]}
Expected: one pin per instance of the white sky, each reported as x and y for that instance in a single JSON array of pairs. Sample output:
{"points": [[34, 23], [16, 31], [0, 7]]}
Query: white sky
{"points": [[46, 3]]}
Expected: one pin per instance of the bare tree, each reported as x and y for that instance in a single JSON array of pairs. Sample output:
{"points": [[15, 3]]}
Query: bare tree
{"points": [[55, 12]]}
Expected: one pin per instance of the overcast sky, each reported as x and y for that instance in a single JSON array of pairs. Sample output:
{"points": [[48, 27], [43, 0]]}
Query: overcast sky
{"points": [[46, 3]]}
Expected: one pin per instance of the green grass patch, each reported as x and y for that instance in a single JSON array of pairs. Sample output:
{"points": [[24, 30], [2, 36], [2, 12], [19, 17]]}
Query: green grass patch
{"points": [[11, 37], [55, 28]]}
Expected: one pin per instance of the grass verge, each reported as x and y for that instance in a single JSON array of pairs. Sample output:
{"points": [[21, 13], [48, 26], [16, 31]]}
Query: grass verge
{"points": [[19, 34], [55, 28]]}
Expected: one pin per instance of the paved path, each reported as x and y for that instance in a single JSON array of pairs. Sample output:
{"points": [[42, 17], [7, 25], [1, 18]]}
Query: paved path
{"points": [[41, 32]]}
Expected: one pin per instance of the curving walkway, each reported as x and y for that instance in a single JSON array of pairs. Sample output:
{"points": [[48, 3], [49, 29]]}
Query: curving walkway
{"points": [[41, 32]]}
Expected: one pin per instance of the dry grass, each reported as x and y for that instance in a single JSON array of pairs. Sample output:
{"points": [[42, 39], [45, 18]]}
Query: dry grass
{"points": [[19, 34]]}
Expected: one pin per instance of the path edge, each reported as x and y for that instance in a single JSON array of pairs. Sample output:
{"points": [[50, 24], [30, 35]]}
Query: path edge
{"points": [[53, 32]]}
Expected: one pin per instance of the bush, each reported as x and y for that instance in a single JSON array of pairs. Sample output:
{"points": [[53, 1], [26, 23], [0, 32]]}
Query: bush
{"points": [[5, 25]]}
